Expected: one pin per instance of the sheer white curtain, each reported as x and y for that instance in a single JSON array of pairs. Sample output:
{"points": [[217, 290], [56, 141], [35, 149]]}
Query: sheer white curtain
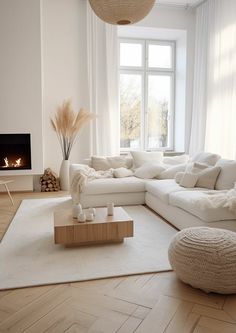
{"points": [[221, 93], [198, 128], [102, 57], [214, 106]]}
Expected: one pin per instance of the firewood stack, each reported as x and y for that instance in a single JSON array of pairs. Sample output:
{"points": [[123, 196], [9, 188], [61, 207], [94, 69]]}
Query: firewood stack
{"points": [[49, 181]]}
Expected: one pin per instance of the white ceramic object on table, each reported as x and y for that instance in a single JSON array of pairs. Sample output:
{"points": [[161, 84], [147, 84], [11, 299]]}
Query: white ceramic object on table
{"points": [[76, 210], [92, 211], [82, 217], [110, 208], [89, 216]]}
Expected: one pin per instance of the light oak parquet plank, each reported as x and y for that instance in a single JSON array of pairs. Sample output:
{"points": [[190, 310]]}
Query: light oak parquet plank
{"points": [[209, 325], [180, 320], [30, 314], [213, 313], [230, 306], [61, 318], [130, 325], [110, 322], [141, 312], [17, 299], [160, 316], [180, 290], [99, 302]]}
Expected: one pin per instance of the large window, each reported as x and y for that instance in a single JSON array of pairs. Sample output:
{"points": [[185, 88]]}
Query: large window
{"points": [[147, 71]]}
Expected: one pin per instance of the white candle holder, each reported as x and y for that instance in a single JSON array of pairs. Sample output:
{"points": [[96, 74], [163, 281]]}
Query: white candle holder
{"points": [[92, 210], [110, 208], [76, 210], [81, 217], [89, 216]]}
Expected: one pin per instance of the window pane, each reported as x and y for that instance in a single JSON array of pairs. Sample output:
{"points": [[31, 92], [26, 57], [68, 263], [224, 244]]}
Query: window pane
{"points": [[130, 110], [159, 56], [159, 90], [130, 54]]}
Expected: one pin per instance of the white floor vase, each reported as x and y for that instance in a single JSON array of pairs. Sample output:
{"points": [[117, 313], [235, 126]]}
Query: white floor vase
{"points": [[64, 175]]}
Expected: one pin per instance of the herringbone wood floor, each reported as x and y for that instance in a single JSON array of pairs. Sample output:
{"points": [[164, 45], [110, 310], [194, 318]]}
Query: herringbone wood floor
{"points": [[144, 303]]}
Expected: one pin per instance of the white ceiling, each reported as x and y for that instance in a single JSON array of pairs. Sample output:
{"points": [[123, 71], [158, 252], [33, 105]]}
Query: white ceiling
{"points": [[190, 3]]}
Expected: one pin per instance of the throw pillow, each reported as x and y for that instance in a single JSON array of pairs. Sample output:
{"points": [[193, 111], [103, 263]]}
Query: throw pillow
{"points": [[116, 162], [172, 171], [227, 176], [207, 177], [196, 167], [141, 157], [178, 177], [149, 170], [188, 180], [100, 163], [206, 158], [174, 160], [122, 172], [106, 163]]}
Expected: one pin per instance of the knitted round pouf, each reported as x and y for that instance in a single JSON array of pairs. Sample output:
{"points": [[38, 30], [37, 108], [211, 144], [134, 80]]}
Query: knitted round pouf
{"points": [[205, 258]]}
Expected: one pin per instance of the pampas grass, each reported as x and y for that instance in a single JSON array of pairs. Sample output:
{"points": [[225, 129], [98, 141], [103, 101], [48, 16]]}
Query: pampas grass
{"points": [[67, 124]]}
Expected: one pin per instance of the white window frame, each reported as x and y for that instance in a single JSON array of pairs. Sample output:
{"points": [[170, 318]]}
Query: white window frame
{"points": [[145, 71]]}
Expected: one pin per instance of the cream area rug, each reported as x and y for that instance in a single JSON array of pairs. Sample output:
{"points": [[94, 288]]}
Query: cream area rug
{"points": [[29, 257]]}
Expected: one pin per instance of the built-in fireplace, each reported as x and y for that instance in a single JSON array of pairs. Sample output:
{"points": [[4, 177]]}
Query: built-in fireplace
{"points": [[15, 152]]}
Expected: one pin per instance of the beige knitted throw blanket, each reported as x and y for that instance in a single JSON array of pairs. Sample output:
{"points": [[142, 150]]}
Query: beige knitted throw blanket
{"points": [[217, 199], [83, 176]]}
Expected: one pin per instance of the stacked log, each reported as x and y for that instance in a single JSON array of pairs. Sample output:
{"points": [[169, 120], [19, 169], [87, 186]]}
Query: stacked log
{"points": [[49, 181]]}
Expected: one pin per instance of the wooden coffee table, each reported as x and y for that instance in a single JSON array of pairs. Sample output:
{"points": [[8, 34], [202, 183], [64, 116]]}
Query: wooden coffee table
{"points": [[104, 229]]}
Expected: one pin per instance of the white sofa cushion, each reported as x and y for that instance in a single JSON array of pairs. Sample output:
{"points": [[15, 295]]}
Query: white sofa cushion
{"points": [[122, 172], [114, 185], [162, 188], [207, 178], [141, 157], [174, 160], [188, 201], [206, 158], [227, 176], [108, 162], [149, 170], [188, 180], [206, 175], [172, 171]]}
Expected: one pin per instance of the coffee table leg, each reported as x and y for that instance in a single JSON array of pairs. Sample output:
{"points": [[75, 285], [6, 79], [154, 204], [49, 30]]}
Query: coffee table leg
{"points": [[9, 194]]}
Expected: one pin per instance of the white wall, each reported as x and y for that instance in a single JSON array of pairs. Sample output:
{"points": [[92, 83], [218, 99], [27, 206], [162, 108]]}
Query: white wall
{"points": [[182, 19], [20, 79], [64, 71], [61, 37]]}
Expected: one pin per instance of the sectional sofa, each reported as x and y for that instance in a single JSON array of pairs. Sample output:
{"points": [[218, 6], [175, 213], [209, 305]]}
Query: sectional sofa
{"points": [[177, 204]]}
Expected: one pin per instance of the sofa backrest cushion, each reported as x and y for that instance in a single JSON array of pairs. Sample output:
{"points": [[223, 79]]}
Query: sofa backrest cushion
{"points": [[108, 162], [227, 176], [175, 160], [149, 170], [141, 157], [206, 158], [172, 171]]}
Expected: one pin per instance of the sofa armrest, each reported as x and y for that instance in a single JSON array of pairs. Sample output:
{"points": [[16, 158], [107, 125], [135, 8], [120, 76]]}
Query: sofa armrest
{"points": [[74, 168]]}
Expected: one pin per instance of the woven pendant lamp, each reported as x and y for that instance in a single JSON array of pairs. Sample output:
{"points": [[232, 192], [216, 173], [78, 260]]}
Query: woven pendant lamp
{"points": [[121, 11]]}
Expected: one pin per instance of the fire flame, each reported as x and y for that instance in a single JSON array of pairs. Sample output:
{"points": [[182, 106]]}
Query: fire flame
{"points": [[16, 164], [6, 162]]}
